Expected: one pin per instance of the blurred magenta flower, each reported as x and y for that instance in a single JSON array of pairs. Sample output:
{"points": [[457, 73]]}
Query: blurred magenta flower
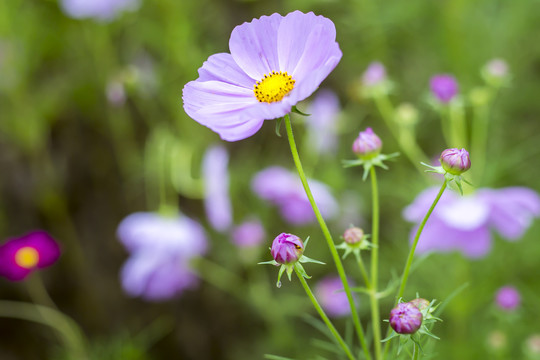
{"points": [[329, 292], [249, 233], [374, 74], [21, 255], [444, 87], [464, 223], [104, 10], [283, 189], [287, 249], [508, 298], [274, 62], [455, 161], [217, 203], [497, 68], [405, 318], [160, 250], [322, 124]]}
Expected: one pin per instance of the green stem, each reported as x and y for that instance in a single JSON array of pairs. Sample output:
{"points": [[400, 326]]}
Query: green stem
{"points": [[415, 242], [409, 148], [479, 136], [363, 271], [411, 254], [328, 237], [38, 292], [375, 266], [458, 126], [66, 327], [323, 316], [416, 352]]}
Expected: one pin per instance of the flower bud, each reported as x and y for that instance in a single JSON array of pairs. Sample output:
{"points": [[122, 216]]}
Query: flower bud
{"points": [[406, 114], [420, 303], [374, 74], [444, 87], [508, 298], [353, 235], [287, 248], [533, 345], [367, 145], [405, 318], [455, 161], [497, 68]]}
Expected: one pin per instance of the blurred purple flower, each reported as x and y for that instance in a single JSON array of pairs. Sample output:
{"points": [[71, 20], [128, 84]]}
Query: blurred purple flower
{"points": [[284, 189], [160, 249], [374, 74], [464, 223], [274, 62], [508, 298], [329, 292], [322, 124], [216, 188], [21, 255], [104, 10], [444, 87], [249, 233]]}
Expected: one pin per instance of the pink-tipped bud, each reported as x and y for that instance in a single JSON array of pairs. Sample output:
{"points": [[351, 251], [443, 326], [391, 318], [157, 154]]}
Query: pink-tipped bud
{"points": [[374, 74], [405, 318], [444, 87], [353, 235], [455, 161], [420, 303], [367, 144], [287, 248]]}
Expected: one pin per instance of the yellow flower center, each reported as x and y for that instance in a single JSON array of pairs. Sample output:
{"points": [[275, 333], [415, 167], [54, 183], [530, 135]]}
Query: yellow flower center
{"points": [[273, 87], [27, 257]]}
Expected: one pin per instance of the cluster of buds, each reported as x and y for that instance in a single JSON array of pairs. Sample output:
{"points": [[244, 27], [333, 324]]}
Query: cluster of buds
{"points": [[410, 318], [288, 252]]}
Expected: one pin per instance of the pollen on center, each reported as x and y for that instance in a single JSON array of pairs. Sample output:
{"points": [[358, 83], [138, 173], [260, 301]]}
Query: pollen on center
{"points": [[273, 87], [27, 257]]}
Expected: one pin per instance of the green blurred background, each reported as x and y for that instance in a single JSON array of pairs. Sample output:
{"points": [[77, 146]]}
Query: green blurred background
{"points": [[71, 162]]}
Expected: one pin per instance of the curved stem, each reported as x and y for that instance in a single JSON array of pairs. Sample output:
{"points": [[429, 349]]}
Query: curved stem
{"points": [[66, 327], [323, 316], [415, 352], [328, 237], [408, 264], [376, 321]]}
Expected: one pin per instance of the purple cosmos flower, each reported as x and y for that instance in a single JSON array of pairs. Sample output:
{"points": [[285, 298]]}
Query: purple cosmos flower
{"points": [[160, 249], [324, 110], [367, 144], [287, 248], [444, 87], [329, 292], [103, 10], [455, 161], [22, 255], [374, 74], [283, 189], [249, 233], [275, 62], [216, 186], [405, 318], [508, 298], [464, 223]]}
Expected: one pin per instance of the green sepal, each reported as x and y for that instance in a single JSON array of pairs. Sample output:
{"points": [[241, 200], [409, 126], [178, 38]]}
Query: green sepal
{"points": [[304, 259], [301, 270], [368, 163], [271, 262], [295, 110], [278, 126], [281, 270]]}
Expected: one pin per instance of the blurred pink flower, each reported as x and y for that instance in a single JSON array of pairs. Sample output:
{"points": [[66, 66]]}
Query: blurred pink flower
{"points": [[284, 189], [22, 255], [329, 292], [160, 249], [104, 10], [249, 233], [464, 223]]}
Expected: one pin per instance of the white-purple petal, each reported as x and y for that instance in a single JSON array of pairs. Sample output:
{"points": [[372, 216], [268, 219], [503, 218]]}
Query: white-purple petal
{"points": [[216, 187]]}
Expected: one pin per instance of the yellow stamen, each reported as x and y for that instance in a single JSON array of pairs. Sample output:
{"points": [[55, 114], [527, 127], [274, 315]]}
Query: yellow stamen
{"points": [[27, 257], [273, 87]]}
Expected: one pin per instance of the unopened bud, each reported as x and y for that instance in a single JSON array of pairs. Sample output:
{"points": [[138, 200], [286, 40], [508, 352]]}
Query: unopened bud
{"points": [[405, 318], [455, 161], [367, 145], [444, 87], [287, 248], [353, 235]]}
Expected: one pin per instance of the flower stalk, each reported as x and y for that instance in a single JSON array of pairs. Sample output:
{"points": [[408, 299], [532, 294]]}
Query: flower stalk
{"points": [[327, 236]]}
